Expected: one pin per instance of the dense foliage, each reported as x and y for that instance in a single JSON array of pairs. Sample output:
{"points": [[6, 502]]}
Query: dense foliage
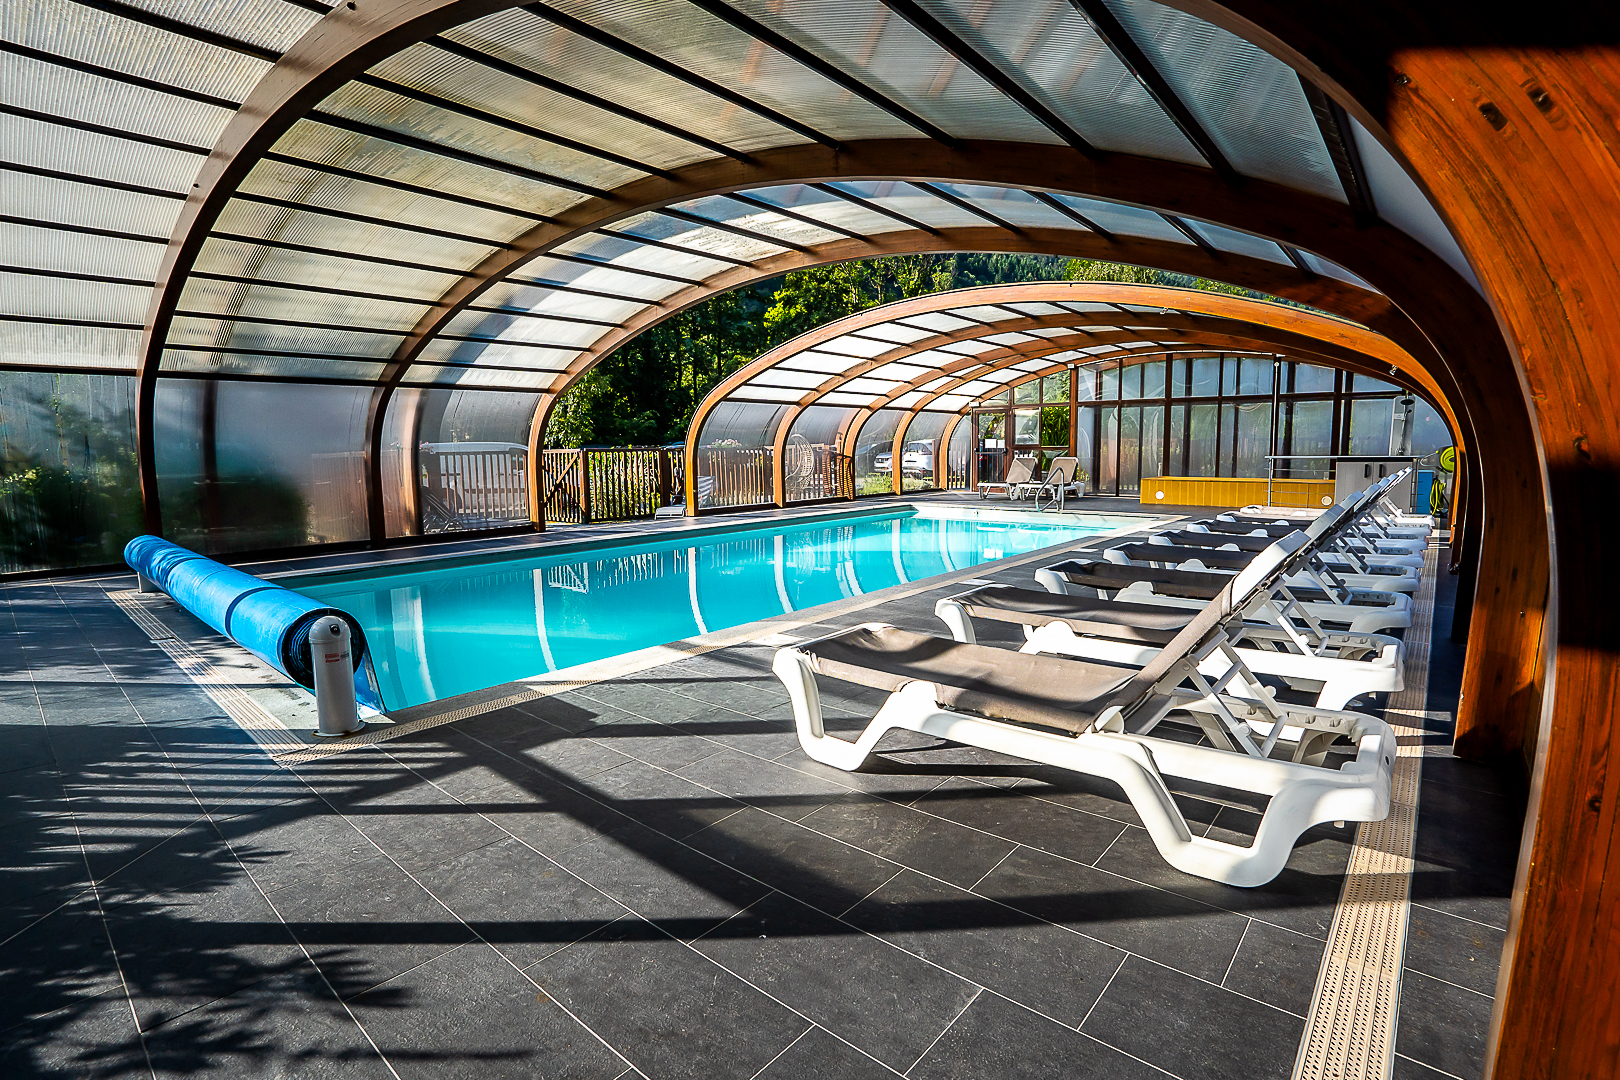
{"points": [[644, 394]]}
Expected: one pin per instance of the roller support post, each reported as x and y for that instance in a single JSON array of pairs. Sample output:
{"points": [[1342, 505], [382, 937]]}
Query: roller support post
{"points": [[335, 704]]}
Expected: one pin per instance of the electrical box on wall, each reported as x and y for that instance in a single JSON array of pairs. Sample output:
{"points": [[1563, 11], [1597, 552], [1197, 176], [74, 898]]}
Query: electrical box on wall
{"points": [[1353, 474]]}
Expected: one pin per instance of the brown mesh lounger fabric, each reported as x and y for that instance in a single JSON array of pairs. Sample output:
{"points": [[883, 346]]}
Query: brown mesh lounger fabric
{"points": [[1174, 553], [1149, 624], [1187, 538], [1111, 577]]}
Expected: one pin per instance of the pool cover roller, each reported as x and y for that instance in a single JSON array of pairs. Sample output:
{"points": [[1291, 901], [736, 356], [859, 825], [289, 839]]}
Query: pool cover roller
{"points": [[267, 620]]}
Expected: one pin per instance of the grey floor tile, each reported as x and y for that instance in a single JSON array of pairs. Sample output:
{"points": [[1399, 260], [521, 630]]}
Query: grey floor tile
{"points": [[1013, 816], [798, 861], [1164, 1017], [663, 800], [997, 1038], [1442, 1025], [784, 791], [470, 1012], [893, 1009], [667, 746], [937, 847], [523, 904], [287, 1025], [684, 891], [1407, 1069], [1453, 949], [417, 825], [93, 1039], [669, 1010], [818, 1055], [367, 922], [55, 955], [1279, 967], [1048, 968], [297, 841], [1185, 934]]}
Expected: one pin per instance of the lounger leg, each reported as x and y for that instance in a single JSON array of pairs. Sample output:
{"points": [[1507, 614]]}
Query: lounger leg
{"points": [[955, 618]]}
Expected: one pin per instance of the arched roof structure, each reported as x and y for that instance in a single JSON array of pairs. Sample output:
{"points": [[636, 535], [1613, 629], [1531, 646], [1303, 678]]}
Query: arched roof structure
{"points": [[428, 192], [941, 352]]}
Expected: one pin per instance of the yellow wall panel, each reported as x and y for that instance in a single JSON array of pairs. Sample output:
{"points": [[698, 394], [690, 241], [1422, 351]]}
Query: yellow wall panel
{"points": [[1234, 491]]}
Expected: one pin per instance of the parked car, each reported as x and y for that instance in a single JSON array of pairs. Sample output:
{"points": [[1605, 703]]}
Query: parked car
{"points": [[916, 459]]}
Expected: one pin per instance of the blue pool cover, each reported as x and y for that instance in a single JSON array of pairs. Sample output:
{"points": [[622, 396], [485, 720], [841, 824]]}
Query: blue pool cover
{"points": [[269, 621]]}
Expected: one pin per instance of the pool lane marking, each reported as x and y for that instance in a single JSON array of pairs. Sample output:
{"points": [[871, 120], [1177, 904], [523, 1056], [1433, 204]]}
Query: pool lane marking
{"points": [[1350, 1031]]}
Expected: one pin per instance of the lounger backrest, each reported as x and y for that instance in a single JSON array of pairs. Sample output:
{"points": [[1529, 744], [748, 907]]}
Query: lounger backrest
{"points": [[1062, 470], [1020, 470], [1228, 604]]}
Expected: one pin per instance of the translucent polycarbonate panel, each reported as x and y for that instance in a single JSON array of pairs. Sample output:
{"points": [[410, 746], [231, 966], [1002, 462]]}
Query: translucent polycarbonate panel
{"points": [[1246, 438], [1311, 379], [1334, 270], [597, 278], [1429, 430], [548, 300], [890, 55], [875, 387], [1017, 208], [87, 153], [246, 466], [859, 401], [810, 464], [896, 333], [734, 212], [312, 140], [314, 368], [819, 425], [467, 82], [901, 371], [104, 39], [1399, 201], [1125, 220], [937, 322], [827, 208], [45, 198], [976, 347], [977, 387], [32, 84], [51, 297], [700, 239], [410, 117], [69, 484], [774, 394], [778, 376], [1027, 392], [918, 452], [1009, 339], [243, 217], [76, 253], [472, 377], [830, 363], [540, 46], [468, 455], [481, 354], [553, 334], [950, 403], [855, 345], [872, 452], [240, 258], [1247, 101], [1053, 51], [55, 346], [286, 301], [269, 24], [1238, 243], [192, 331], [625, 252], [986, 313], [740, 424], [404, 209], [911, 201], [1307, 429]]}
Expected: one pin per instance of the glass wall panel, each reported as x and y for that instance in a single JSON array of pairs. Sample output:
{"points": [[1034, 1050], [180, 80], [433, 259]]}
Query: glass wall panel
{"points": [[1429, 431], [1130, 381], [1310, 379], [472, 459], [1206, 377], [1229, 374], [1085, 384], [1307, 429], [957, 455], [1055, 387], [992, 445], [1201, 440], [1175, 466], [1369, 426], [1108, 453], [1130, 448], [1251, 438], [917, 456], [874, 445], [1109, 390], [1152, 441], [69, 485], [812, 466], [1180, 378], [1366, 384], [734, 454], [1254, 376], [1085, 448], [1026, 428], [1055, 430], [1153, 379], [1027, 392]]}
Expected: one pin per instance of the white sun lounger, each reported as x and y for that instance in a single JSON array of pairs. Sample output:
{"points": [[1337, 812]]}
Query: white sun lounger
{"points": [[1100, 719], [1019, 473]]}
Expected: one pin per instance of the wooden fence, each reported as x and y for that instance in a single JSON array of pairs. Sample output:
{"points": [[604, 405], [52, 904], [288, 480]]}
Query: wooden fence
{"points": [[473, 489], [735, 476], [818, 472], [611, 484]]}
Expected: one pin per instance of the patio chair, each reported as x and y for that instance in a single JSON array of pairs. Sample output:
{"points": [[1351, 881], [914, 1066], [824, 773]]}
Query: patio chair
{"points": [[1101, 719], [1019, 473], [1059, 484]]}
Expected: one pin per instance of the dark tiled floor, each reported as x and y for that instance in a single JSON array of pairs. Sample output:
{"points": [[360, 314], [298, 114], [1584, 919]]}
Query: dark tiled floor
{"points": [[647, 877]]}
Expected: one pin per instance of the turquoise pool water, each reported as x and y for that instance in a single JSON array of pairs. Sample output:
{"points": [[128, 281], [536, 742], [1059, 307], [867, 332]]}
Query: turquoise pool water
{"points": [[440, 630]]}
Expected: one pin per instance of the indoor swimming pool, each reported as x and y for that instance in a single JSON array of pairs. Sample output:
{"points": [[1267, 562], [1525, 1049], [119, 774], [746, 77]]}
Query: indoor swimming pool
{"points": [[440, 629]]}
